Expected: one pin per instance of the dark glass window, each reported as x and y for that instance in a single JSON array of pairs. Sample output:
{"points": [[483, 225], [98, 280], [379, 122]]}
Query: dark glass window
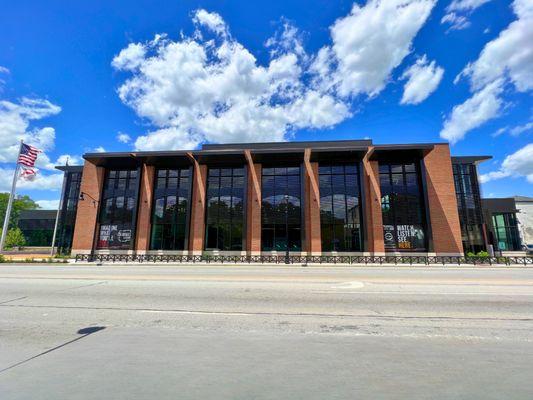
{"points": [[402, 206], [469, 207], [506, 231], [340, 214], [67, 216], [117, 211], [281, 209], [169, 212], [225, 209]]}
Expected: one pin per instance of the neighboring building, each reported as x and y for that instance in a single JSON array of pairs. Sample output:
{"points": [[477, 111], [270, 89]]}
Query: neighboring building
{"points": [[525, 220], [331, 197], [502, 226], [37, 226]]}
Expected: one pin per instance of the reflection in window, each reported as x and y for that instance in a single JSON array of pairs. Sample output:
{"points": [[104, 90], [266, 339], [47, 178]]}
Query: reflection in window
{"points": [[281, 209], [469, 207], [67, 216], [118, 209], [225, 202], [506, 231], [402, 207], [169, 213], [339, 208]]}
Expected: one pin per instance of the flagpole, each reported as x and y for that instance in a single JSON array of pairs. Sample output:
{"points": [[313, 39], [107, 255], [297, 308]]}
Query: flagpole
{"points": [[10, 202]]}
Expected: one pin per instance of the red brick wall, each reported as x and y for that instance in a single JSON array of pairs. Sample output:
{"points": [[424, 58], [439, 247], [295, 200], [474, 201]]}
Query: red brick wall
{"points": [[313, 240], [142, 242], [444, 216], [374, 218], [87, 213], [197, 227], [253, 208]]}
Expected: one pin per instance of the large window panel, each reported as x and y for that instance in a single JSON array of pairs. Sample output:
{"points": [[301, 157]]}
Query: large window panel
{"points": [[281, 211], [117, 212], [402, 206], [340, 212], [169, 213], [469, 207], [225, 203]]}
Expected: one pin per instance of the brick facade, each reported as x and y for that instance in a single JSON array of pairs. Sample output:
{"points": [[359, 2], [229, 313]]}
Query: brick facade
{"points": [[253, 206], [313, 241], [442, 206], [142, 242], [443, 214], [197, 224], [374, 219], [87, 213]]}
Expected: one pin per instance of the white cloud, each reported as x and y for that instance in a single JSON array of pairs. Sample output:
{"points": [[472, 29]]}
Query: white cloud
{"points": [[48, 204], [370, 42], [41, 181], [465, 5], [457, 11], [4, 70], [515, 131], [15, 119], [130, 57], [210, 20], [100, 149], [520, 163], [503, 61], [423, 78], [474, 112], [123, 137], [457, 22], [194, 90]]}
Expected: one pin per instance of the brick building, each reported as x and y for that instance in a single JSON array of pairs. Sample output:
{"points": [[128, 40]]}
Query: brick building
{"points": [[330, 197]]}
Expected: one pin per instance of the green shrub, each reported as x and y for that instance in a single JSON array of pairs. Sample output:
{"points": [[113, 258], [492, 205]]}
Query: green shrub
{"points": [[15, 238], [483, 254], [2, 259]]}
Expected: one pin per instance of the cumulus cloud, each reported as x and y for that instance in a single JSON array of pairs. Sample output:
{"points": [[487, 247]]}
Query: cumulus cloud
{"points": [[100, 149], [474, 112], [369, 43], [504, 61], [48, 204], [15, 120], [423, 78], [517, 164], [194, 89], [457, 12], [123, 137], [42, 181]]}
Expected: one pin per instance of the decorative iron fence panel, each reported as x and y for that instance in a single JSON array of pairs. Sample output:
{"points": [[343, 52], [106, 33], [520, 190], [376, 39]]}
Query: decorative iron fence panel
{"points": [[272, 259]]}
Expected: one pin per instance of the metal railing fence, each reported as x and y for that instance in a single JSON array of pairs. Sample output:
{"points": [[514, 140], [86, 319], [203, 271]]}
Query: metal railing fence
{"points": [[271, 259]]}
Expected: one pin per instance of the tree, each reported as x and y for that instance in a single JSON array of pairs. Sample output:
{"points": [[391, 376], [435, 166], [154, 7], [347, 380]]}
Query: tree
{"points": [[15, 238], [19, 203]]}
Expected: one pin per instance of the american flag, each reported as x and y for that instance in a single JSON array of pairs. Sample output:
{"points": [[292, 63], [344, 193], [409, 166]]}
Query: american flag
{"points": [[28, 154], [28, 173]]}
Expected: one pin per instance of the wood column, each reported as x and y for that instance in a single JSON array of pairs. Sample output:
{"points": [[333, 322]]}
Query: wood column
{"points": [[313, 239], [374, 218], [443, 213], [197, 221], [146, 194], [253, 206], [92, 181]]}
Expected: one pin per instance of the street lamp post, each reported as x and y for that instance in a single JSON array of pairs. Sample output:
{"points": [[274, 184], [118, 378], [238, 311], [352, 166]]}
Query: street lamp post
{"points": [[287, 258]]}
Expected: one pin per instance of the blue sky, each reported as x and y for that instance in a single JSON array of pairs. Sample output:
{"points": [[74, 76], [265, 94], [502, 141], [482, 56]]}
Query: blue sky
{"points": [[76, 75]]}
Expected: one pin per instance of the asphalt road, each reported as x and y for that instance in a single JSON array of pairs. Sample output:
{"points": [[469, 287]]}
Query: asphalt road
{"points": [[263, 332]]}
